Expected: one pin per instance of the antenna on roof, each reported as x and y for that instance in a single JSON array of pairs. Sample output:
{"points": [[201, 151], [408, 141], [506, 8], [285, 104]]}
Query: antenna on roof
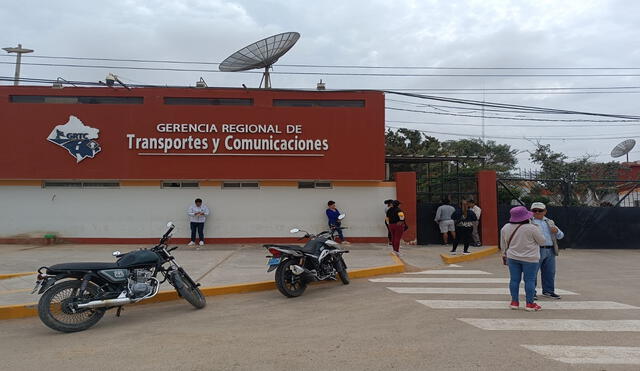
{"points": [[623, 148], [260, 54]]}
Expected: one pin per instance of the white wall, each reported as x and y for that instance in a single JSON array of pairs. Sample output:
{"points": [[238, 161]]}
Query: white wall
{"points": [[142, 212]]}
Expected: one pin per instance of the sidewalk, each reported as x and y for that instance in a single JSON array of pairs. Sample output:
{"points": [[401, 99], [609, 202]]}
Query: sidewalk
{"points": [[212, 265]]}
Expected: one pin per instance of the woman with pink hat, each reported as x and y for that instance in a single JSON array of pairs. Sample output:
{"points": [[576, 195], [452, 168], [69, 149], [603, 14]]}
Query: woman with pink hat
{"points": [[520, 243]]}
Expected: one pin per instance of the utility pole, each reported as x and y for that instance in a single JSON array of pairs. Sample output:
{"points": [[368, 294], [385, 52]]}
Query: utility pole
{"points": [[19, 51]]}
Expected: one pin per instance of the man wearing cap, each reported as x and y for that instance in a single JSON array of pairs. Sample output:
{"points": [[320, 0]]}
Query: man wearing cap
{"points": [[549, 250]]}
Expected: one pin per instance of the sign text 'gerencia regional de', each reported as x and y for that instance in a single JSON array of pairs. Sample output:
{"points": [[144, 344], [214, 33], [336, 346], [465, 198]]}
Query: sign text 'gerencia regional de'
{"points": [[187, 138]]}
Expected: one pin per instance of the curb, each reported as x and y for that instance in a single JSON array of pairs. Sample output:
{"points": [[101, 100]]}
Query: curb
{"points": [[13, 275], [448, 259], [31, 310]]}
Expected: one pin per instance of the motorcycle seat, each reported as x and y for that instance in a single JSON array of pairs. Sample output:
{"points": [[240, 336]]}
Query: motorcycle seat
{"points": [[295, 248], [84, 266]]}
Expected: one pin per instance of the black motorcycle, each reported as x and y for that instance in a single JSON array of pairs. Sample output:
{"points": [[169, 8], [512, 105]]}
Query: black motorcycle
{"points": [[76, 295], [320, 259]]}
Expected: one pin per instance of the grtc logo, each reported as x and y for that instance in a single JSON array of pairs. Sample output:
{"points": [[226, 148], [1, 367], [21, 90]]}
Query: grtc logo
{"points": [[77, 138]]}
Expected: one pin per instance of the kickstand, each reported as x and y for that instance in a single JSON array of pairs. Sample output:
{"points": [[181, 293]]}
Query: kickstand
{"points": [[119, 311]]}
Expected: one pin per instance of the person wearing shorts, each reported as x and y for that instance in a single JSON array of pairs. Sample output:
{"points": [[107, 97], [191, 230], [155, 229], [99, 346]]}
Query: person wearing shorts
{"points": [[444, 220]]}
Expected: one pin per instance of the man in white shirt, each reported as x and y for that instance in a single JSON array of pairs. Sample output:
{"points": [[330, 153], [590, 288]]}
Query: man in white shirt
{"points": [[197, 216], [549, 250], [476, 210]]}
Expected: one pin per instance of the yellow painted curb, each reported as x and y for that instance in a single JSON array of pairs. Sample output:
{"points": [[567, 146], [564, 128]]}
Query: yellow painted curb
{"points": [[5, 276], [30, 310], [18, 311], [448, 259]]}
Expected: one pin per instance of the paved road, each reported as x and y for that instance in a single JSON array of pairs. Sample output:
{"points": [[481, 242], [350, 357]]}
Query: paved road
{"points": [[366, 326]]}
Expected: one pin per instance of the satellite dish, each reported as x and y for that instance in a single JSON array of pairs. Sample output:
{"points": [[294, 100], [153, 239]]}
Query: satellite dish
{"points": [[260, 54], [623, 148]]}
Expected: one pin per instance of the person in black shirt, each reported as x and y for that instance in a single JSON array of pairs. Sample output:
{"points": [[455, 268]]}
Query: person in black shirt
{"points": [[395, 216]]}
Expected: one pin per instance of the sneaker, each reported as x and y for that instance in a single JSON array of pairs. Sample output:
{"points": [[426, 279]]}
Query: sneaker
{"points": [[514, 305], [532, 307], [465, 253], [453, 253], [479, 244], [551, 295], [201, 243], [191, 243]]}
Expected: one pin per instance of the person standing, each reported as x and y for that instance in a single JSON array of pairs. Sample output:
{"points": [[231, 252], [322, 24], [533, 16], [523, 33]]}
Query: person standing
{"points": [[548, 249], [395, 215], [387, 206], [476, 210], [519, 243], [197, 216], [444, 220], [334, 222], [464, 227]]}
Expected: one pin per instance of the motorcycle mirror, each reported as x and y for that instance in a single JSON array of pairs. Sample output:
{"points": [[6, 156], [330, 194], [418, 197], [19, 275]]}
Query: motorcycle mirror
{"points": [[341, 216], [170, 225], [116, 253], [294, 230]]}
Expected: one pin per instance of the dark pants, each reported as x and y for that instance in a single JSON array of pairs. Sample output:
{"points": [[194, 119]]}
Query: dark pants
{"points": [[396, 234], [337, 226], [200, 228], [463, 234], [388, 232]]}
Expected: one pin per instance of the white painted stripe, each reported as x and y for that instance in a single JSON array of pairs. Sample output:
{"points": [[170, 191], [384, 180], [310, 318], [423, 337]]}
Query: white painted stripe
{"points": [[454, 266], [539, 324], [465, 290], [554, 305], [451, 271], [440, 280], [589, 354]]}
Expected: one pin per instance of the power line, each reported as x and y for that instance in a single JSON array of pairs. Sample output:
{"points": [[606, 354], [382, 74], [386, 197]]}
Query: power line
{"points": [[324, 73], [510, 126], [338, 66], [508, 137]]}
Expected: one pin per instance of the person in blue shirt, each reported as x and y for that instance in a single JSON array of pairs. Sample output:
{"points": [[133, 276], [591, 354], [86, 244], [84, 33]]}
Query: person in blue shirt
{"points": [[334, 222], [549, 250]]}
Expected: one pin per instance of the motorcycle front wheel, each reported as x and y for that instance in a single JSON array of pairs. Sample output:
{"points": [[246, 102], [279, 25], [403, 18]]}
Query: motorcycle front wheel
{"points": [[188, 291], [341, 268], [288, 283], [55, 307]]}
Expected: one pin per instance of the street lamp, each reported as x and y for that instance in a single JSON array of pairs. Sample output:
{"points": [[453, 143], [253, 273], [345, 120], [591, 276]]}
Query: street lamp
{"points": [[19, 51]]}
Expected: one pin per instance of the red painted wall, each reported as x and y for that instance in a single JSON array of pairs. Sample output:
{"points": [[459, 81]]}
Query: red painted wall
{"points": [[488, 202], [406, 193], [355, 136]]}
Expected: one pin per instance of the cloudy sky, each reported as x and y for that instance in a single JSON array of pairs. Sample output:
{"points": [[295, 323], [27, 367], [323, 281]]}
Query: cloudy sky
{"points": [[491, 43]]}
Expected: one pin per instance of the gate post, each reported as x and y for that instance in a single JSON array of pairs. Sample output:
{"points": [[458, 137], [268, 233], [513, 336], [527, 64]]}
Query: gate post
{"points": [[406, 193], [488, 202]]}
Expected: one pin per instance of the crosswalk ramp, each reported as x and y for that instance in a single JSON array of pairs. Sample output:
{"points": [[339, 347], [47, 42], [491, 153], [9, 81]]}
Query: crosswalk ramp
{"points": [[461, 284]]}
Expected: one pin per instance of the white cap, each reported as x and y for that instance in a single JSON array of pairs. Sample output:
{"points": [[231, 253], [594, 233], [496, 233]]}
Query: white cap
{"points": [[538, 205]]}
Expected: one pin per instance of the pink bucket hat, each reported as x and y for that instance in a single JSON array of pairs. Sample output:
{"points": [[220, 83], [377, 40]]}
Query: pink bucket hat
{"points": [[519, 214]]}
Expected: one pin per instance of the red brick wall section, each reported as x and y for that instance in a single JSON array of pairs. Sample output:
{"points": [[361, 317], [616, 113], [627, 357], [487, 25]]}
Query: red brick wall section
{"points": [[488, 202], [406, 193]]}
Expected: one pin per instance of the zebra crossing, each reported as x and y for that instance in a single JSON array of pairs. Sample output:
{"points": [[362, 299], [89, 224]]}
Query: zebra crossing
{"points": [[477, 282]]}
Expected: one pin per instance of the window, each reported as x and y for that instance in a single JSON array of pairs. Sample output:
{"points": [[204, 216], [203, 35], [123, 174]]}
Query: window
{"points": [[63, 184], [232, 185], [186, 101], [325, 185], [74, 99], [178, 184], [317, 103], [636, 203]]}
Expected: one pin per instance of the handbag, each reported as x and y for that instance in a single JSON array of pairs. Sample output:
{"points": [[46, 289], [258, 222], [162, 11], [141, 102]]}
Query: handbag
{"points": [[504, 257]]}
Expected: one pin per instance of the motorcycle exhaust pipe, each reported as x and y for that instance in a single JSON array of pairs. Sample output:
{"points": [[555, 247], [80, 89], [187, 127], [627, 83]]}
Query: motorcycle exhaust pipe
{"points": [[106, 303], [296, 269], [306, 274]]}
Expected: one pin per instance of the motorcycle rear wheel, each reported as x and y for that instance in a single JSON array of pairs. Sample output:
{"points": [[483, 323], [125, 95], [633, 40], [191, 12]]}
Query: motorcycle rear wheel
{"points": [[55, 312], [340, 267], [188, 291], [289, 284]]}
